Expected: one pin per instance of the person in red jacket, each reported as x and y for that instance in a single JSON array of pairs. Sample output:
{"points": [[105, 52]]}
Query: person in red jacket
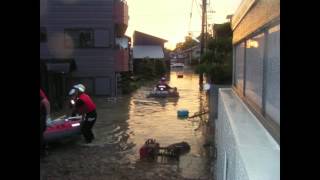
{"points": [[84, 106], [44, 114]]}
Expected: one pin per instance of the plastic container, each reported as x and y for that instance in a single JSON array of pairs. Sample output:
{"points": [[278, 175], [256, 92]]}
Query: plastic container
{"points": [[183, 113]]}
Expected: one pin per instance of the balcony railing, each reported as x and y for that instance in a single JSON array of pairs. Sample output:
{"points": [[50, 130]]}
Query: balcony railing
{"points": [[120, 13], [122, 60]]}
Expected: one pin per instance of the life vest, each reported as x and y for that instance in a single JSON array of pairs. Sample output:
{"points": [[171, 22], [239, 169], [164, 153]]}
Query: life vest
{"points": [[87, 102], [149, 149], [162, 87], [144, 152]]}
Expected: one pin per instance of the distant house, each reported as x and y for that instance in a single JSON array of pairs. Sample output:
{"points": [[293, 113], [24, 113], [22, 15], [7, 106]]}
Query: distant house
{"points": [[192, 53], [88, 34], [248, 123], [147, 51], [144, 39], [146, 46]]}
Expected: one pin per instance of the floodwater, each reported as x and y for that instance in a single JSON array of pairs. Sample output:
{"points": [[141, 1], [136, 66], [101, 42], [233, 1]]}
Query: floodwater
{"points": [[122, 127]]}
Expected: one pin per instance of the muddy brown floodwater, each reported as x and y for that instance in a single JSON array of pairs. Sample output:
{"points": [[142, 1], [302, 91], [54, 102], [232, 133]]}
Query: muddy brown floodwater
{"points": [[122, 128]]}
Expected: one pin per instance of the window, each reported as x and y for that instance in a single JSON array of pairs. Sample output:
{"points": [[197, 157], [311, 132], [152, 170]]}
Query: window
{"points": [[239, 66], [257, 72], [272, 89], [81, 38], [254, 69], [43, 34]]}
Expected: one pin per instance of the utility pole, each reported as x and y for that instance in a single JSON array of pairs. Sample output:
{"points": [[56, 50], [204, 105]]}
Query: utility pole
{"points": [[204, 12]]}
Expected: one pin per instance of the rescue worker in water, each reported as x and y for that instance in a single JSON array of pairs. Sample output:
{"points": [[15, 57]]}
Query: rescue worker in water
{"points": [[83, 105], [44, 115]]}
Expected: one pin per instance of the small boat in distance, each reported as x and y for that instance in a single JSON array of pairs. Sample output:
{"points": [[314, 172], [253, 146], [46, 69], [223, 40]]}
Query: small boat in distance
{"points": [[177, 65], [164, 94]]}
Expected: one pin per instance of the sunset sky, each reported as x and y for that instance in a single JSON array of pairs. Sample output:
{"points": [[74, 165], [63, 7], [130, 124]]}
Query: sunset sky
{"points": [[170, 19]]}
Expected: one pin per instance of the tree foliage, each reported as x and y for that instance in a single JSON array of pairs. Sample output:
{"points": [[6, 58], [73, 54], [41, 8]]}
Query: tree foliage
{"points": [[151, 68], [188, 43], [216, 63]]}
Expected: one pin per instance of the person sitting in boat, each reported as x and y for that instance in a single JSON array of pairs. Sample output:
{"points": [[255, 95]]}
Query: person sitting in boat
{"points": [[162, 85], [84, 105]]}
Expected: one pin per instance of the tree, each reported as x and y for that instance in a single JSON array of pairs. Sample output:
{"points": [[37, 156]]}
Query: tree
{"points": [[188, 43], [216, 63], [206, 36], [179, 46], [222, 30]]}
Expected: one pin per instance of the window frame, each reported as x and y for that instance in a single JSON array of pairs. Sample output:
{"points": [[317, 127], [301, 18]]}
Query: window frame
{"points": [[66, 30], [269, 123]]}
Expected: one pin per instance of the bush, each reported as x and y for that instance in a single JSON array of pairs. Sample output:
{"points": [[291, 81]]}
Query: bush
{"points": [[146, 70], [150, 69], [220, 73], [194, 61], [160, 68], [201, 68], [216, 63]]}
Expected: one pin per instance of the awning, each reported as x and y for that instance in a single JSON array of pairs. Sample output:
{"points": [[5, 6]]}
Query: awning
{"points": [[59, 65], [152, 52]]}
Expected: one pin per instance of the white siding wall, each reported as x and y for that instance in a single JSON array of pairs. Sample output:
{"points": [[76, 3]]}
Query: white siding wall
{"points": [[91, 62]]}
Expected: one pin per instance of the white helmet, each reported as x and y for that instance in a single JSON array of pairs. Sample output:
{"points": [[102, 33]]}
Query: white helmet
{"points": [[80, 87], [72, 91]]}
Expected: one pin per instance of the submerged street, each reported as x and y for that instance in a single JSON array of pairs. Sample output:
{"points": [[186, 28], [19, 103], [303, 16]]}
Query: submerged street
{"points": [[122, 127]]}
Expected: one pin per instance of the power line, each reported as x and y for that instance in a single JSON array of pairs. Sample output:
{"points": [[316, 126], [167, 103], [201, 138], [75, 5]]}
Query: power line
{"points": [[199, 8], [190, 15], [212, 11]]}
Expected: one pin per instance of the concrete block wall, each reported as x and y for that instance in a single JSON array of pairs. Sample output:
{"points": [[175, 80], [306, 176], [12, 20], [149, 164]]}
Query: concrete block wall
{"points": [[245, 149]]}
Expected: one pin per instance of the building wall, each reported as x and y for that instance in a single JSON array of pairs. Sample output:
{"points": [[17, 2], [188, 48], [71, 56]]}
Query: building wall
{"points": [[257, 71], [229, 165], [260, 13], [257, 56], [96, 62], [196, 52], [248, 123]]}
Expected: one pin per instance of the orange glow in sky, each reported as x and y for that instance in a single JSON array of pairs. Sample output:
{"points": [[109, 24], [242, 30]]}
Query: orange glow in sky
{"points": [[170, 19]]}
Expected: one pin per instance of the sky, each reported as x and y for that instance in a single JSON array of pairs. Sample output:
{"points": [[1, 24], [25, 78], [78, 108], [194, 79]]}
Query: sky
{"points": [[170, 19]]}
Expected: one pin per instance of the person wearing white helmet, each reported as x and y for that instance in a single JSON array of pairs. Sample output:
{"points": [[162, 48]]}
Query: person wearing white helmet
{"points": [[72, 92], [83, 105], [81, 87], [162, 85]]}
